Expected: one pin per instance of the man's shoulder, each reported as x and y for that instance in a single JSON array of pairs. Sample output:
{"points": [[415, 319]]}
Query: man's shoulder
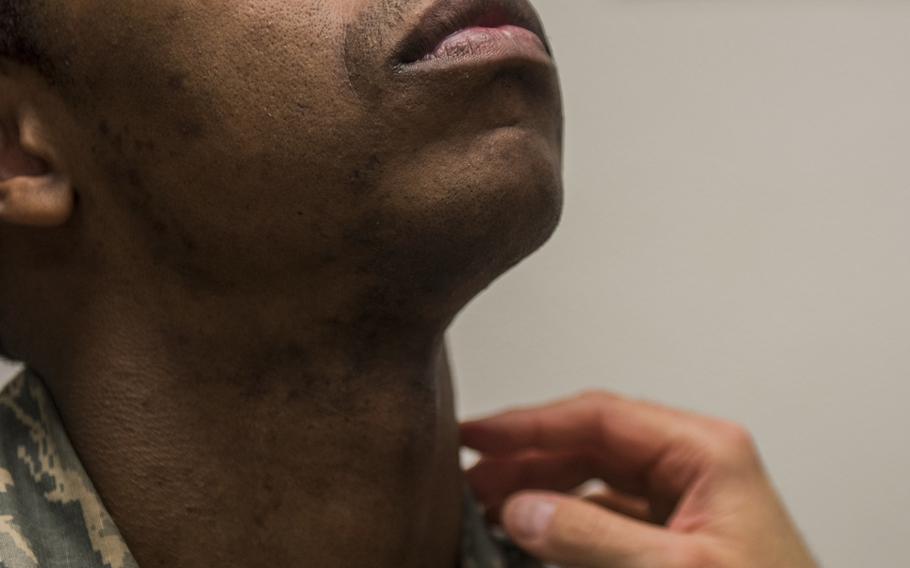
{"points": [[50, 514], [16, 549]]}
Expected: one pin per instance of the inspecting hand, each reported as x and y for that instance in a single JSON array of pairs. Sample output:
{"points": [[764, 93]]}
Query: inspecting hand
{"points": [[685, 491]]}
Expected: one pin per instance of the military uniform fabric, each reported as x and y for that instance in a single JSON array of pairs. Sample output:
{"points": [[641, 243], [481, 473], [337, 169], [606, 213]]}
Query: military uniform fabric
{"points": [[52, 517]]}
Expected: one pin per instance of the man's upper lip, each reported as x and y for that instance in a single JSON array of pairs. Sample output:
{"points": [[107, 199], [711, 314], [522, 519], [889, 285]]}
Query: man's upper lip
{"points": [[446, 17]]}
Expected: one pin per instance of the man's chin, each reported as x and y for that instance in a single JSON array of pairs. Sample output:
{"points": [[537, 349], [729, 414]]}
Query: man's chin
{"points": [[456, 232]]}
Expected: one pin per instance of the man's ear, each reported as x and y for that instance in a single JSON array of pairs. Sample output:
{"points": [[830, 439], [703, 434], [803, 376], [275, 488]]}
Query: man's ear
{"points": [[34, 191]]}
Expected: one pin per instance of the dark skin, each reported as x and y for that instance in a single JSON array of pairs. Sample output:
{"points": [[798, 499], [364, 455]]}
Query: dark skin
{"points": [[232, 238]]}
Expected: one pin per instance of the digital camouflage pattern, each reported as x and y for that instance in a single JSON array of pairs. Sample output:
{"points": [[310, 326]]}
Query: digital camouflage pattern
{"points": [[52, 517]]}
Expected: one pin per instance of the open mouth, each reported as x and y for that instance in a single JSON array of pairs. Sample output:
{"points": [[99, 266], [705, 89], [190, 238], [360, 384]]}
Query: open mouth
{"points": [[470, 29]]}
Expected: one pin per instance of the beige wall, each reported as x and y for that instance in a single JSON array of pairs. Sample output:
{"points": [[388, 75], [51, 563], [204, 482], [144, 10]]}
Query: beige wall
{"points": [[736, 242]]}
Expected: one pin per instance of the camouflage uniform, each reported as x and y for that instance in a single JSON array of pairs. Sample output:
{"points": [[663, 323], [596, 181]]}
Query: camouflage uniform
{"points": [[52, 517]]}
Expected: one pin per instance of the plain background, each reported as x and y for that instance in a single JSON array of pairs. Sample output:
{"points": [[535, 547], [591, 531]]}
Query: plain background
{"points": [[735, 242]]}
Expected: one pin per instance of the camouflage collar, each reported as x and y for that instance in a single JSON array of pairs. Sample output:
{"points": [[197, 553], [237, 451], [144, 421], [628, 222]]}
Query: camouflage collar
{"points": [[51, 515]]}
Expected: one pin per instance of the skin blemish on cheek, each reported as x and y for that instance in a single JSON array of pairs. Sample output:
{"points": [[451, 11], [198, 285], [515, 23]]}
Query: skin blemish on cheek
{"points": [[177, 82], [142, 146], [363, 178], [134, 179], [191, 130]]}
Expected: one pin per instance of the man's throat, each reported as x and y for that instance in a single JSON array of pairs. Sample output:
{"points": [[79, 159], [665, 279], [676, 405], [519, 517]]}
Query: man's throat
{"points": [[279, 469]]}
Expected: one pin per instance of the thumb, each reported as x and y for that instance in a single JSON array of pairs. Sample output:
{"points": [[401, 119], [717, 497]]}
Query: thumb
{"points": [[574, 532]]}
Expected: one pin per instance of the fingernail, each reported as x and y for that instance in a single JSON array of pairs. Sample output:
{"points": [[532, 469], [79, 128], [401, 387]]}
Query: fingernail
{"points": [[531, 517]]}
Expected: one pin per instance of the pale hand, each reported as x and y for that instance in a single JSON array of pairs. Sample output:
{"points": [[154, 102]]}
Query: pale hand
{"points": [[685, 491]]}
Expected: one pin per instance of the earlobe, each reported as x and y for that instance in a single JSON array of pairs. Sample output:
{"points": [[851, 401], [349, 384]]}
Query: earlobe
{"points": [[33, 192]]}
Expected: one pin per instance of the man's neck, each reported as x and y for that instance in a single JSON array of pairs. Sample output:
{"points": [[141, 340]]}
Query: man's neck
{"points": [[276, 453]]}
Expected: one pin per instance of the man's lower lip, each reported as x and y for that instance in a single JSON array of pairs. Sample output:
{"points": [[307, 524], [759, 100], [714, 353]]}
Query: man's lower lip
{"points": [[478, 43]]}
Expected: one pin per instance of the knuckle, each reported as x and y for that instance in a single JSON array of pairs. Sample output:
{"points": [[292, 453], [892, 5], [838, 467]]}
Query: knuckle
{"points": [[597, 396], [736, 436], [735, 444]]}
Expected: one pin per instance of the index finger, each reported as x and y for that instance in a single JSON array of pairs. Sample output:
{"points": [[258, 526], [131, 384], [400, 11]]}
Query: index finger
{"points": [[636, 439]]}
